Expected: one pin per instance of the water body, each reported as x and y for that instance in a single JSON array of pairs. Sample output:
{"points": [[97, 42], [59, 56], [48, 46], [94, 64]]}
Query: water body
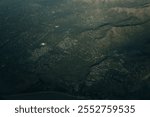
{"points": [[74, 49]]}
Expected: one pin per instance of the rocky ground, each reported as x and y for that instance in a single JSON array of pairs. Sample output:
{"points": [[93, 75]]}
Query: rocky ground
{"points": [[75, 49]]}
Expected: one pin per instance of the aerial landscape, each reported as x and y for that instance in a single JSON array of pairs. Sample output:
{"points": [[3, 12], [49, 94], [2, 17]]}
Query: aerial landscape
{"points": [[75, 49]]}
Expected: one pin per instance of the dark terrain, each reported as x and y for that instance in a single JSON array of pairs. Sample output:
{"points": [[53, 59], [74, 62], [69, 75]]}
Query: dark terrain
{"points": [[74, 49]]}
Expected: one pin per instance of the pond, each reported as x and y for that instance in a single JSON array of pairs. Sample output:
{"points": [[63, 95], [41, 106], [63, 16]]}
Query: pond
{"points": [[80, 49]]}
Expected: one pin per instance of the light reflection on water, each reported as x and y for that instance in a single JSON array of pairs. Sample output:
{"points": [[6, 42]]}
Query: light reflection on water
{"points": [[50, 45]]}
